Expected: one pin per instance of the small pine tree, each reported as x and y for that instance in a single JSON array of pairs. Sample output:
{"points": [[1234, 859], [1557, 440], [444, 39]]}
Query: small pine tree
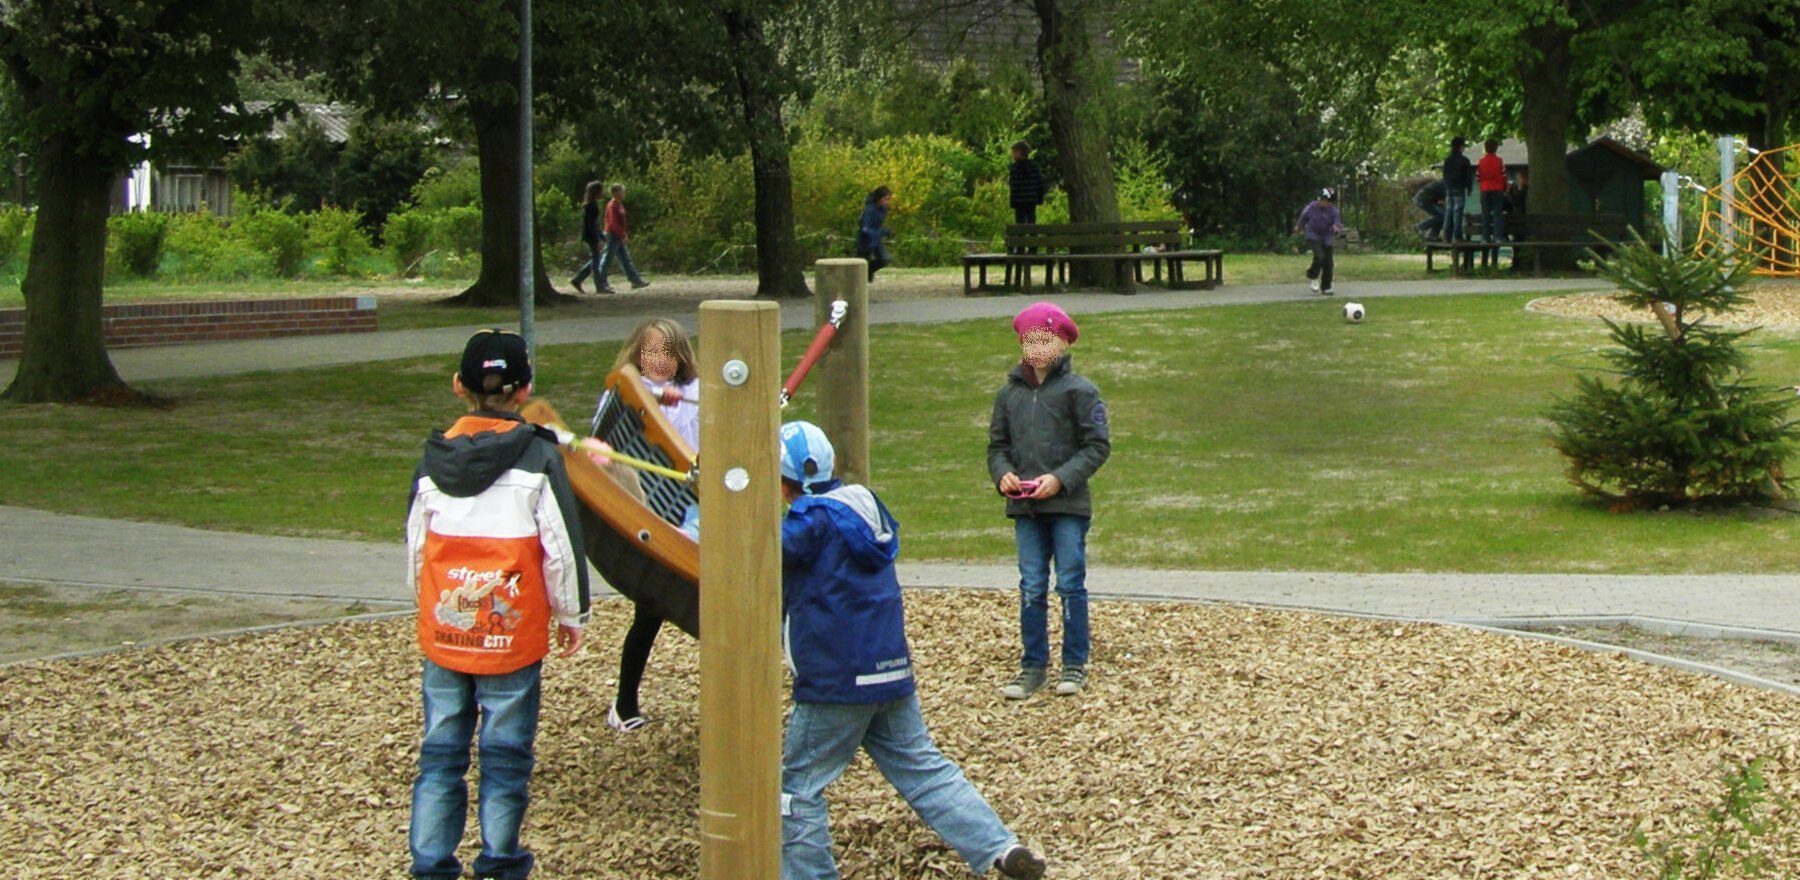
{"points": [[1684, 423]]}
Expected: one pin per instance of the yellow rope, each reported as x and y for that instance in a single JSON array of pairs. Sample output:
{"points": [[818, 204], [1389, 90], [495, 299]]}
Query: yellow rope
{"points": [[1766, 203], [576, 443]]}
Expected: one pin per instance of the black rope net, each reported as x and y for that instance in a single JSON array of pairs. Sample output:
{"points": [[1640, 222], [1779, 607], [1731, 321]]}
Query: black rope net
{"points": [[623, 429]]}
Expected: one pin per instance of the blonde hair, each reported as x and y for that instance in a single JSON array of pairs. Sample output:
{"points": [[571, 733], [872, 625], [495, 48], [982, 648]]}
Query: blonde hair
{"points": [[687, 368]]}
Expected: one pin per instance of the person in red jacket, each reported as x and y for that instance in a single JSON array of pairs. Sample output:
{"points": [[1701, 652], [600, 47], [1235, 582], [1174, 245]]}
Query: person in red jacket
{"points": [[616, 249], [1490, 176]]}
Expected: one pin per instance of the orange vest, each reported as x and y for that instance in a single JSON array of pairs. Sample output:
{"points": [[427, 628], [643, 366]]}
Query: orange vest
{"points": [[483, 609]]}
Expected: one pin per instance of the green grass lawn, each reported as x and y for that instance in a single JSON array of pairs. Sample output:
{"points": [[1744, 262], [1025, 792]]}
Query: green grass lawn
{"points": [[1254, 437]]}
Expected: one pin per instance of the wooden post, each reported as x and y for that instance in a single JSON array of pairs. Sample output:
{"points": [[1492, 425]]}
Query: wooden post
{"points": [[843, 373], [740, 591]]}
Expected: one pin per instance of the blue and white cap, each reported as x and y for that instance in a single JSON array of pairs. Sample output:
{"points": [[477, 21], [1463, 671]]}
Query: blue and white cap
{"points": [[806, 455]]}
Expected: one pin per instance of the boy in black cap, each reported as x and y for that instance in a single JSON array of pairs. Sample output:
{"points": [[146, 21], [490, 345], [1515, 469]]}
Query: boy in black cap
{"points": [[1459, 177], [491, 537]]}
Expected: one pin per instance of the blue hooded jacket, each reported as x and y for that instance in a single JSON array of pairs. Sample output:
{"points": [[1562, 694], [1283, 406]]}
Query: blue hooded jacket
{"points": [[843, 625]]}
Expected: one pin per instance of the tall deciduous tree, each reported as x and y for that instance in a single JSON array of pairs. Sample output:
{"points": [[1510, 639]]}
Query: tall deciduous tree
{"points": [[1074, 74], [780, 263], [105, 83], [394, 55]]}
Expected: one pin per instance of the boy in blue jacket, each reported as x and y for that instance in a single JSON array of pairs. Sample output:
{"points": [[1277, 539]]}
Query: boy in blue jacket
{"points": [[844, 633]]}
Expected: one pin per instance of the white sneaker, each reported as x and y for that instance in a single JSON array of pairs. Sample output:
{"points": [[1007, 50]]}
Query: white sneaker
{"points": [[1327, 292], [1313, 285]]}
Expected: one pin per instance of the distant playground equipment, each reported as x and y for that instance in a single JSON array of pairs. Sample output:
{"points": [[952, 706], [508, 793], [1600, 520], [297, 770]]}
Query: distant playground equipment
{"points": [[1755, 209]]}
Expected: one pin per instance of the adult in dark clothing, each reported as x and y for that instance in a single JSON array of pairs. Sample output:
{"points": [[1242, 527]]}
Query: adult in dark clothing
{"points": [[1026, 183], [871, 231], [1430, 199], [1459, 178], [590, 236]]}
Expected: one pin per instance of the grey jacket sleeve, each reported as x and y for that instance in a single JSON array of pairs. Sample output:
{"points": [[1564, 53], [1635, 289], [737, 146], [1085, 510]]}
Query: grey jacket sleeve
{"points": [[1000, 461], [1093, 438], [570, 509]]}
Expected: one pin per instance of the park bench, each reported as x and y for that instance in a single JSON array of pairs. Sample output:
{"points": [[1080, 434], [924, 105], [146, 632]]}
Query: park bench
{"points": [[1056, 246], [1531, 236]]}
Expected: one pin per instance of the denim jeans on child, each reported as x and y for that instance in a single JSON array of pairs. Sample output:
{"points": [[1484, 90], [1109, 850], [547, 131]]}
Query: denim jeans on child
{"points": [[1493, 215], [822, 738], [592, 266], [1454, 206], [508, 710], [1060, 539], [617, 252]]}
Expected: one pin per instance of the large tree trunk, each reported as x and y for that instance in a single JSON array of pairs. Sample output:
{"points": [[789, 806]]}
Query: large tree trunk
{"points": [[1069, 64], [65, 355], [780, 263], [497, 141], [1545, 70]]}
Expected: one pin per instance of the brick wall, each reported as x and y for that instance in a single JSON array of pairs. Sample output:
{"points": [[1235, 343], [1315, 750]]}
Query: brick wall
{"points": [[141, 324]]}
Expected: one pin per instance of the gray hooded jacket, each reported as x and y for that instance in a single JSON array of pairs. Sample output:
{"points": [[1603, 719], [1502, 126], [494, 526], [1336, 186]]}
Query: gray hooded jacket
{"points": [[1057, 428]]}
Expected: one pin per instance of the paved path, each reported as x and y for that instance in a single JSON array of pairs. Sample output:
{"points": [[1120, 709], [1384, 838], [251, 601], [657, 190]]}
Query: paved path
{"points": [[223, 358], [39, 547]]}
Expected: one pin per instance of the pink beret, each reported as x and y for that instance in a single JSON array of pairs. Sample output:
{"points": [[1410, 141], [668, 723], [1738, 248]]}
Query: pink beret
{"points": [[1048, 316]]}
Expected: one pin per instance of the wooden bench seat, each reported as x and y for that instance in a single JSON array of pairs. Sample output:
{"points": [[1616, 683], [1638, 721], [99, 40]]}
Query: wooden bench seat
{"points": [[1054, 247], [1531, 236]]}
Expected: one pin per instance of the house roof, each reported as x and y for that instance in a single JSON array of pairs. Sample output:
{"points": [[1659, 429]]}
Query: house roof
{"points": [[1647, 167], [331, 119]]}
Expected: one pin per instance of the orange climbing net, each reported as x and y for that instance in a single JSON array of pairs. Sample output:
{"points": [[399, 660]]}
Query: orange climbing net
{"points": [[1764, 210]]}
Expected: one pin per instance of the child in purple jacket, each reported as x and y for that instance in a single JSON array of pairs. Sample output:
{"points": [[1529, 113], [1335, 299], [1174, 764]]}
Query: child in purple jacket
{"points": [[1319, 222]]}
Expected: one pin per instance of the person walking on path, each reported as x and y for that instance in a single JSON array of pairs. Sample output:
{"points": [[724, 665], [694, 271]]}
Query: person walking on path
{"points": [[1319, 223], [1026, 183], [590, 236], [1490, 176], [844, 634], [1047, 437], [491, 535], [617, 251], [871, 229], [1459, 176]]}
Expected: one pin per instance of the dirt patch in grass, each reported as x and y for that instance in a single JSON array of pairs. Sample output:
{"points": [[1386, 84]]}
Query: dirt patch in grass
{"points": [[1213, 742], [1776, 661], [1773, 304], [43, 621]]}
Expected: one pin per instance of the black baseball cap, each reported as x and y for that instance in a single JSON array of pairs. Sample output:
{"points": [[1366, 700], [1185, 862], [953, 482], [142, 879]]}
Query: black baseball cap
{"points": [[1457, 143], [495, 362]]}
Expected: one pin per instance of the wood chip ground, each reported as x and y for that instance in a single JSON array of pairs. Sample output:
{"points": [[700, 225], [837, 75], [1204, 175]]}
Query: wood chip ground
{"points": [[1214, 742], [1774, 304]]}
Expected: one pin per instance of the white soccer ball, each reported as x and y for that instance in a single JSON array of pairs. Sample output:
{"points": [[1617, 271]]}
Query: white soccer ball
{"points": [[1353, 313]]}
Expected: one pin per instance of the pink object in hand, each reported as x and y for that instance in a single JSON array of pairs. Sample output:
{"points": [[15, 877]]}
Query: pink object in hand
{"points": [[1026, 487]]}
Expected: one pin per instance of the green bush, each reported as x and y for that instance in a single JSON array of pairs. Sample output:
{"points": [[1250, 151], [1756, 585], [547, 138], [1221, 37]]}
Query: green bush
{"points": [[458, 230], [408, 235], [455, 186], [138, 238], [202, 246], [338, 237], [279, 236], [15, 233]]}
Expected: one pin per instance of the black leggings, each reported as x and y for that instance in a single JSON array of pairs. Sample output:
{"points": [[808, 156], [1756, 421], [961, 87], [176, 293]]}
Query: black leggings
{"points": [[634, 655]]}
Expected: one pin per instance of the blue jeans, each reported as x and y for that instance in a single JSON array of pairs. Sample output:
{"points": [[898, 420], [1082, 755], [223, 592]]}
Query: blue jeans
{"points": [[508, 709], [616, 252], [1060, 539], [821, 740], [592, 266], [1454, 206], [1493, 215]]}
